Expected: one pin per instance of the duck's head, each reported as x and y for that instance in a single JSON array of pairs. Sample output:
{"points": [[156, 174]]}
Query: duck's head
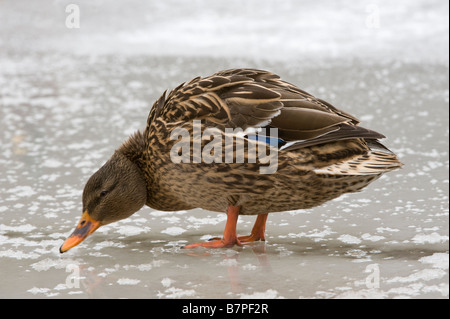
{"points": [[116, 191]]}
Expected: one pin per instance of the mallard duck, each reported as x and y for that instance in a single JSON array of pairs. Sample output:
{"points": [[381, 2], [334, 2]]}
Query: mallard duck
{"points": [[321, 152]]}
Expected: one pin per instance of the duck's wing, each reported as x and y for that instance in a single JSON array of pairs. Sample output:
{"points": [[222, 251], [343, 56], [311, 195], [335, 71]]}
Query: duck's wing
{"points": [[253, 99]]}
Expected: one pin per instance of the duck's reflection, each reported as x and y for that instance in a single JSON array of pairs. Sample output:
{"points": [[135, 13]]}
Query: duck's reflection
{"points": [[91, 282], [231, 261], [237, 262]]}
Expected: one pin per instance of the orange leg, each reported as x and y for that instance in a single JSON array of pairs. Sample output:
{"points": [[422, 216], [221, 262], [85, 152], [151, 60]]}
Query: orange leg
{"points": [[257, 231], [229, 235]]}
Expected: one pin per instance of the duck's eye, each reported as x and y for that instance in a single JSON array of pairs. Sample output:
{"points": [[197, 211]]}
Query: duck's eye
{"points": [[103, 193]]}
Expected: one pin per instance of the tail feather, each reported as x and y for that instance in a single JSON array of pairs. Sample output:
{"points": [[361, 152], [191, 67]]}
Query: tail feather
{"points": [[377, 161]]}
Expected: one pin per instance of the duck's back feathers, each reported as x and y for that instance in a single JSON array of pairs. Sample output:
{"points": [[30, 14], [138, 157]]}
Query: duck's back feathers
{"points": [[321, 151], [249, 98]]}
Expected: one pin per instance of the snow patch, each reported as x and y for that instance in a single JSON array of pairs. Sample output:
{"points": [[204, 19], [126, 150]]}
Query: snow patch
{"points": [[437, 260], [166, 282], [130, 230], [173, 231], [128, 281], [20, 229], [349, 239], [268, 294], [432, 238]]}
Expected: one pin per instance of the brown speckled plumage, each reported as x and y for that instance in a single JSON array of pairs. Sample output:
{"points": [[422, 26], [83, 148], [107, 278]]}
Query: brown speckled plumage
{"points": [[333, 159], [326, 153]]}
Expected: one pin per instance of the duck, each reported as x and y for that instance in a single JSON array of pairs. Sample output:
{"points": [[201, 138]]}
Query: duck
{"points": [[240, 141]]}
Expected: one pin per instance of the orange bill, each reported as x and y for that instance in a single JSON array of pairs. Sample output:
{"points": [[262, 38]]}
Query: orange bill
{"points": [[85, 227]]}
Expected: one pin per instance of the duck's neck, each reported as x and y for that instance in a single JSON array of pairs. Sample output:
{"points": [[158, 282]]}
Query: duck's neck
{"points": [[134, 150]]}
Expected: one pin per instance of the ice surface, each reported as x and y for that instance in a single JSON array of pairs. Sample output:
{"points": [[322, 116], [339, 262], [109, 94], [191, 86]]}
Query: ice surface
{"points": [[69, 97], [257, 28]]}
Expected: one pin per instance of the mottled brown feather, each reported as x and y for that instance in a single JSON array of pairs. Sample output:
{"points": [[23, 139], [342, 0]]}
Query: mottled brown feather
{"points": [[327, 154]]}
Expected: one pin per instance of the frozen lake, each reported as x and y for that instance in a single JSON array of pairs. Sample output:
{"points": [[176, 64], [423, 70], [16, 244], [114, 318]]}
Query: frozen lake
{"points": [[68, 100]]}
